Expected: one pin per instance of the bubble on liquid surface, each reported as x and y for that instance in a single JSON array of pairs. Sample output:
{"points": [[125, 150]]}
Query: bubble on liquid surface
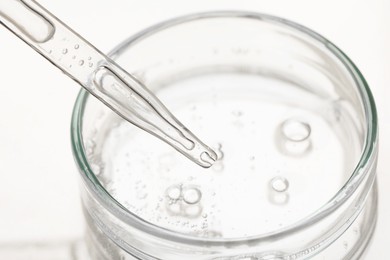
{"points": [[191, 195], [219, 151], [174, 192], [218, 166], [279, 184], [293, 137], [296, 131]]}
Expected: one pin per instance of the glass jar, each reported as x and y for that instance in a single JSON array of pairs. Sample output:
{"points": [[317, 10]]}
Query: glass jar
{"points": [[293, 122]]}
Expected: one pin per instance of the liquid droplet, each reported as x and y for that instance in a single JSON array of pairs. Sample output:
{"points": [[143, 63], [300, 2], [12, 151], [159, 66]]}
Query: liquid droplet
{"points": [[76, 46], [65, 51], [81, 62], [90, 64]]}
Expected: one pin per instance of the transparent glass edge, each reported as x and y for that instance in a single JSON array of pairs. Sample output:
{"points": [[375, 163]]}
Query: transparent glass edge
{"points": [[103, 196]]}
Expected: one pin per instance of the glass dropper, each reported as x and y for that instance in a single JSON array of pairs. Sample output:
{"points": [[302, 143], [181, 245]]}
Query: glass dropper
{"points": [[100, 76]]}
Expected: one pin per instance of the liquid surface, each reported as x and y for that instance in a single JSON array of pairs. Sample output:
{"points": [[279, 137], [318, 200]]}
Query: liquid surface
{"points": [[280, 149]]}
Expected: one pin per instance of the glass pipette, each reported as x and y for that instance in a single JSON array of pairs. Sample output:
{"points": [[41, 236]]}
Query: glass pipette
{"points": [[100, 76]]}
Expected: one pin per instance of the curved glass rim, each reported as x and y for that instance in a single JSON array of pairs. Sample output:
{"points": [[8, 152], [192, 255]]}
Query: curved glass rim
{"points": [[360, 172]]}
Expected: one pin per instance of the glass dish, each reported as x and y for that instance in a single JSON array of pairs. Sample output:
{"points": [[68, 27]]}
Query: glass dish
{"points": [[294, 123]]}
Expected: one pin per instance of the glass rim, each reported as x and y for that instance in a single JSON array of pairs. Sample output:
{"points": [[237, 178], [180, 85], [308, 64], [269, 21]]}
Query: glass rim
{"points": [[361, 170]]}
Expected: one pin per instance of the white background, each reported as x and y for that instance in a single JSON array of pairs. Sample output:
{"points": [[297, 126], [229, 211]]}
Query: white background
{"points": [[38, 179]]}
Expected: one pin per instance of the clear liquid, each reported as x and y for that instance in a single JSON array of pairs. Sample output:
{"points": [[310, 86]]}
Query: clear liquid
{"points": [[282, 153]]}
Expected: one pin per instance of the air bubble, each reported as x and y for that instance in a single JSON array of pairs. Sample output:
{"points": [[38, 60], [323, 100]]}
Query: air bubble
{"points": [[90, 64], [293, 137], [219, 151], [191, 195], [81, 62], [218, 165], [295, 130], [279, 184], [65, 51], [174, 192], [76, 46], [278, 194]]}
